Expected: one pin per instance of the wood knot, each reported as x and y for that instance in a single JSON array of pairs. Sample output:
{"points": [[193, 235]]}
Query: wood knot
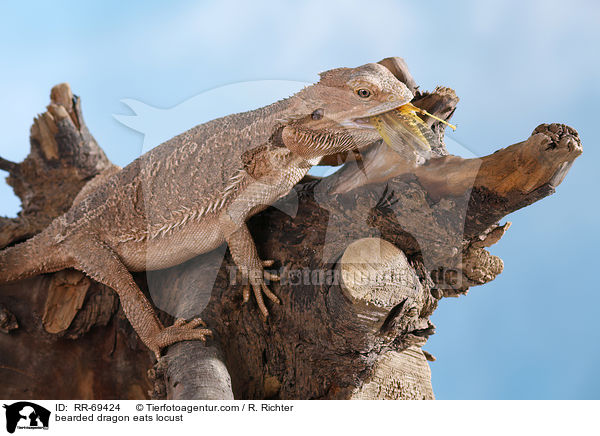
{"points": [[378, 280], [8, 321], [376, 272]]}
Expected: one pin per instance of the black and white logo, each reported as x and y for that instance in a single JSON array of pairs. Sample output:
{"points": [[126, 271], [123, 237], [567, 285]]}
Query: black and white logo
{"points": [[26, 415]]}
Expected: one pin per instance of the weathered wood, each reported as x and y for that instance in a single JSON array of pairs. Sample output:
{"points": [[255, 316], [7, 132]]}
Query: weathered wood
{"points": [[63, 157], [398, 375], [385, 290], [377, 279], [210, 381], [66, 295], [105, 363], [8, 321], [40, 317], [443, 209]]}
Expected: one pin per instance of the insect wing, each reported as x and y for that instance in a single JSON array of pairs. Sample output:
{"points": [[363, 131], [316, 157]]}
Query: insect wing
{"points": [[405, 133]]}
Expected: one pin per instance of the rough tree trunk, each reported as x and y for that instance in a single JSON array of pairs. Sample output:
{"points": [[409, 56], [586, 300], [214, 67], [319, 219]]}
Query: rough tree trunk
{"points": [[365, 259]]}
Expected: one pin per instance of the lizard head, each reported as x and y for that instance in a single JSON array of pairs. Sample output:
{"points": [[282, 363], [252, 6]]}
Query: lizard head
{"points": [[334, 114]]}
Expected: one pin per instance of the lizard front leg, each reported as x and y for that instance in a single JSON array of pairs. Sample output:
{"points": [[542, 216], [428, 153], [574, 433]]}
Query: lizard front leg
{"points": [[245, 256], [269, 173]]}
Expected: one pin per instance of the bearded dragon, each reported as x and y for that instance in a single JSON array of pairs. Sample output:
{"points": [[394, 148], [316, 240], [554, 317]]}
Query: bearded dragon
{"points": [[196, 191]]}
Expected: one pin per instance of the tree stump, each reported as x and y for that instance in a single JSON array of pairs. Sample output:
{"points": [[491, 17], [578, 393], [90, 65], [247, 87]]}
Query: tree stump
{"points": [[365, 259]]}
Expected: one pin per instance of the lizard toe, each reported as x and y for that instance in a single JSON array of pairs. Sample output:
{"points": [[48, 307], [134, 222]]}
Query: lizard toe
{"points": [[246, 293], [272, 276], [180, 322], [270, 295], [196, 322], [257, 288]]}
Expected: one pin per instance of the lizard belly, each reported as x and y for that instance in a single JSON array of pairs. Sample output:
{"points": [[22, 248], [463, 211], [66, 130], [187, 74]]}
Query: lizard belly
{"points": [[173, 248]]}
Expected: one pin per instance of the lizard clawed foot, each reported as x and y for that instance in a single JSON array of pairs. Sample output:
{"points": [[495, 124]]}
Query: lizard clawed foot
{"points": [[181, 330], [258, 286]]}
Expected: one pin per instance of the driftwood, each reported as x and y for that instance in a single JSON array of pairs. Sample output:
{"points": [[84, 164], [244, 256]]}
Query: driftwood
{"points": [[365, 259]]}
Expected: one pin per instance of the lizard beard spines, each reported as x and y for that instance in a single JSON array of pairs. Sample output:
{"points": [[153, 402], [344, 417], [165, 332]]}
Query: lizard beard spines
{"points": [[326, 142]]}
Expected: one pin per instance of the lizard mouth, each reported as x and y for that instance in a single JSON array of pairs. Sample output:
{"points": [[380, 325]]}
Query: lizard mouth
{"points": [[361, 123], [366, 122]]}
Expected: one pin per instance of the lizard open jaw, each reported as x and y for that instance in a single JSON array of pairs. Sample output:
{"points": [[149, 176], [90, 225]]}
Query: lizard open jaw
{"points": [[365, 121]]}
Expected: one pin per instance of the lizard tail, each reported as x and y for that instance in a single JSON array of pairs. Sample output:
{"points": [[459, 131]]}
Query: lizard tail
{"points": [[38, 255]]}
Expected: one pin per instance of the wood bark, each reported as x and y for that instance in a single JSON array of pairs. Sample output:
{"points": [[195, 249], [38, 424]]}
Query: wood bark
{"points": [[365, 256]]}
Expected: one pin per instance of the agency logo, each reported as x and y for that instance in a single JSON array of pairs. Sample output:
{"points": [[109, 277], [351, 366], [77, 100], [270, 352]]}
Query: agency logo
{"points": [[26, 415]]}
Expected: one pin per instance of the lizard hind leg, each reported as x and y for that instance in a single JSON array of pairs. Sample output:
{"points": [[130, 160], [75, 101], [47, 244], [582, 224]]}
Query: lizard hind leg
{"points": [[37, 255], [102, 264]]}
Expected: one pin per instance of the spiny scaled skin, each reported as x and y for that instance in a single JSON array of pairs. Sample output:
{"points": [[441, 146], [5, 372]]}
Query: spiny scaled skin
{"points": [[194, 192]]}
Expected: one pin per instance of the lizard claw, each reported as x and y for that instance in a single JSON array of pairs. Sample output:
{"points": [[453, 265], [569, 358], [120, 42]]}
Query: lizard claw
{"points": [[267, 263], [196, 322], [272, 276], [179, 322], [270, 295], [246, 293]]}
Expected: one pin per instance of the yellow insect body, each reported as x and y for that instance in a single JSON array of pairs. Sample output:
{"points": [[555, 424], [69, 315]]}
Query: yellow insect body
{"points": [[406, 133]]}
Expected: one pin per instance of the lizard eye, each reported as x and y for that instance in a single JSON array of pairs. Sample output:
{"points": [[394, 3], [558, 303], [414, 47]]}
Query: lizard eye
{"points": [[363, 93]]}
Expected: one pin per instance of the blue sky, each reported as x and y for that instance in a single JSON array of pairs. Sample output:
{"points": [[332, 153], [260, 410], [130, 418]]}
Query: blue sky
{"points": [[532, 333]]}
